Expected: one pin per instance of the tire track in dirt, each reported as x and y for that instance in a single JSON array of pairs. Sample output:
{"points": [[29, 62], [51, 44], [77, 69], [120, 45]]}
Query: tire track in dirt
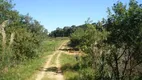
{"points": [[59, 75], [44, 74]]}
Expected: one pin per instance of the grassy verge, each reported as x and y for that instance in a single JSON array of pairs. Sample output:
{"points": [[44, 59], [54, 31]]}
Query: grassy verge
{"points": [[25, 70], [69, 67]]}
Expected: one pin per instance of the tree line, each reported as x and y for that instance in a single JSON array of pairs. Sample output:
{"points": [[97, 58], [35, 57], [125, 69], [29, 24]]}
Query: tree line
{"points": [[63, 32], [68, 30]]}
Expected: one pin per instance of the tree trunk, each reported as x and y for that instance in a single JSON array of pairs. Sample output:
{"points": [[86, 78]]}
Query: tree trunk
{"points": [[11, 39]]}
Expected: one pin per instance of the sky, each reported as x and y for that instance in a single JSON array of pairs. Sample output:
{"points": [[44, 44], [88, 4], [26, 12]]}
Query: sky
{"points": [[59, 13]]}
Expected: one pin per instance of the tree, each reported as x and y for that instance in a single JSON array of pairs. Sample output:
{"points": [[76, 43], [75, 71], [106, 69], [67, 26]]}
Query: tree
{"points": [[114, 44], [20, 36]]}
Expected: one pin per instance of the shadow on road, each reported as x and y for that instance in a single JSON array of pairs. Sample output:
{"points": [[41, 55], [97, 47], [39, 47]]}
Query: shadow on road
{"points": [[53, 69]]}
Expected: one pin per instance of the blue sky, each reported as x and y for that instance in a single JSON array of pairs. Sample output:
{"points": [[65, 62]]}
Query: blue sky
{"points": [[60, 13]]}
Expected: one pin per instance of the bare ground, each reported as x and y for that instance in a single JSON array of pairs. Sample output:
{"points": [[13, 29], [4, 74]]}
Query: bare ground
{"points": [[52, 71]]}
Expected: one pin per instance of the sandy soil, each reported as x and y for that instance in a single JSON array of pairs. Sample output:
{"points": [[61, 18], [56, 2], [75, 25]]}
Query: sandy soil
{"points": [[52, 71]]}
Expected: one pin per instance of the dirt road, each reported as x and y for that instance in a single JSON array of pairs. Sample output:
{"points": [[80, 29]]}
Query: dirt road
{"points": [[52, 71]]}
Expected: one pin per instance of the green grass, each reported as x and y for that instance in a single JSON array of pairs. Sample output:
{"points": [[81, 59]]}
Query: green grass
{"points": [[22, 71], [26, 69], [67, 59], [53, 61], [69, 67]]}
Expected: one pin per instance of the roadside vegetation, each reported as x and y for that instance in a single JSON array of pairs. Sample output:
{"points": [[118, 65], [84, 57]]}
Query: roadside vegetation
{"points": [[26, 69], [113, 46], [69, 66], [23, 43]]}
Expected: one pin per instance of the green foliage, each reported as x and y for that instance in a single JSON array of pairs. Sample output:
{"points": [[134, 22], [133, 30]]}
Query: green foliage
{"points": [[20, 37], [63, 32], [85, 37], [87, 74], [25, 45], [77, 36], [112, 46], [69, 67], [125, 27], [26, 69]]}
